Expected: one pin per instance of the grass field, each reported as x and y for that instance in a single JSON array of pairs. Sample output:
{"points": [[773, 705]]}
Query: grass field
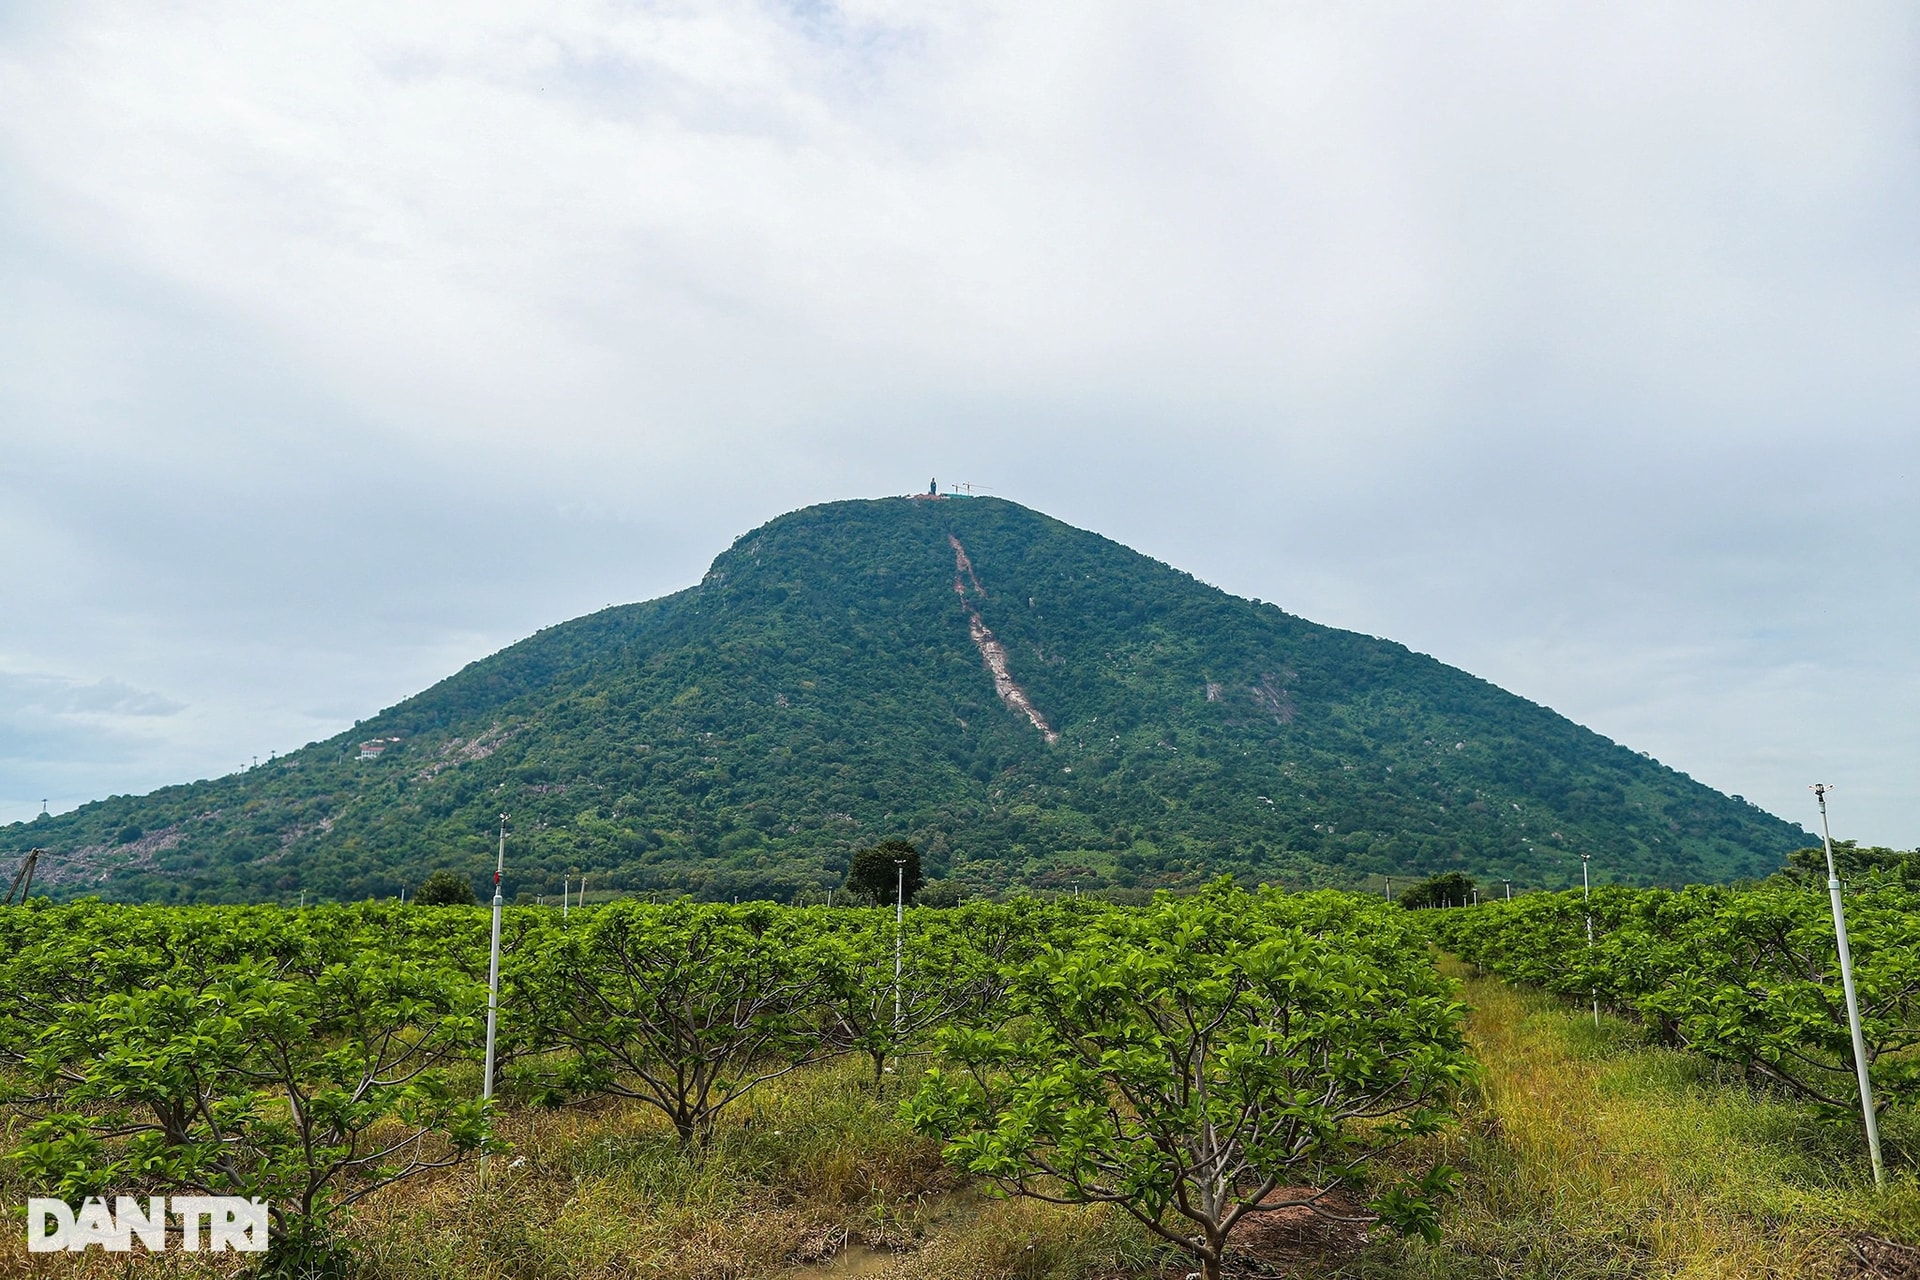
{"points": [[1583, 1154], [1587, 1154]]}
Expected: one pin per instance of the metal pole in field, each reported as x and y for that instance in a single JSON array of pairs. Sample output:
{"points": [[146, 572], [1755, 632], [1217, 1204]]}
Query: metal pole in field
{"points": [[566, 893], [1509, 885], [1820, 790], [899, 933], [493, 965], [1586, 892]]}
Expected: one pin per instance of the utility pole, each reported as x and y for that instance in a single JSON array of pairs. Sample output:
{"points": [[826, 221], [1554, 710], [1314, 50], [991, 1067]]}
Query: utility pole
{"points": [[566, 893], [1820, 790], [1509, 885], [1586, 893], [493, 966]]}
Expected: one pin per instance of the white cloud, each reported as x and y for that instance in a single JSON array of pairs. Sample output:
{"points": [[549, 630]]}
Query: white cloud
{"points": [[1571, 343], [37, 694]]}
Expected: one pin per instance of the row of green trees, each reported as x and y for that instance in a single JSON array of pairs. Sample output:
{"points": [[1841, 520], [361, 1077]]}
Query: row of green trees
{"points": [[1185, 1061], [875, 874], [1748, 976]]}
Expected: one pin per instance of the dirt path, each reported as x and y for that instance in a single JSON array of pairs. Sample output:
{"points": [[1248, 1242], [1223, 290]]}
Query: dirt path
{"points": [[992, 652]]}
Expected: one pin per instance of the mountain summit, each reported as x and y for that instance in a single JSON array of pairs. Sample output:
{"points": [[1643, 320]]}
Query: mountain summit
{"points": [[1028, 702]]}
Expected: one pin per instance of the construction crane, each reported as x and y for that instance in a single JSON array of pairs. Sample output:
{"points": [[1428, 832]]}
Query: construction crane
{"points": [[22, 879], [965, 490]]}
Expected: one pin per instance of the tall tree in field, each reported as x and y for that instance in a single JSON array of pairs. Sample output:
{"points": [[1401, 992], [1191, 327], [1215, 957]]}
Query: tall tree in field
{"points": [[444, 889], [874, 873]]}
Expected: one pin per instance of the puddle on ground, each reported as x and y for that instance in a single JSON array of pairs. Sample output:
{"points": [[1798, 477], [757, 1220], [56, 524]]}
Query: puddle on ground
{"points": [[852, 1260]]}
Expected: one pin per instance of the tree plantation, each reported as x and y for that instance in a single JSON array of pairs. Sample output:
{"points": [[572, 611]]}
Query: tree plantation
{"points": [[1183, 1061], [1187, 1085], [1747, 977]]}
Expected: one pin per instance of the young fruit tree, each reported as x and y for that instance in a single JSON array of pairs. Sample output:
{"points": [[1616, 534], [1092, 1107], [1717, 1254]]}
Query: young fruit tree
{"points": [[686, 1007], [950, 969], [1206, 1060]]}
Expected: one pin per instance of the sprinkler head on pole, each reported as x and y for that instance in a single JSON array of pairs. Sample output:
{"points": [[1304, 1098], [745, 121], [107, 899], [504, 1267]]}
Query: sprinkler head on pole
{"points": [[1820, 790]]}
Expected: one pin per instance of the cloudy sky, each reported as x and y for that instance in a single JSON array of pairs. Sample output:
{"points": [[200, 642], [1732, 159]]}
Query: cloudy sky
{"points": [[1577, 345]]}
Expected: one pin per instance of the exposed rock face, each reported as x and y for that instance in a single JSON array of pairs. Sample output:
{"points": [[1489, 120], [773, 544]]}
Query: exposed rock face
{"points": [[992, 651]]}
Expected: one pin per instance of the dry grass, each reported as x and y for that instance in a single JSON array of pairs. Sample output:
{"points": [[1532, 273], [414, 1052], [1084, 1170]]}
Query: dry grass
{"points": [[812, 1176], [815, 1177], [608, 1193]]}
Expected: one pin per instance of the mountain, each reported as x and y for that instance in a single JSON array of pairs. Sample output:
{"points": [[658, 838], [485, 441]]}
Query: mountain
{"points": [[1028, 702]]}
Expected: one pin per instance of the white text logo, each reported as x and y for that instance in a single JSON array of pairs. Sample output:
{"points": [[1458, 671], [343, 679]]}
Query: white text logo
{"points": [[230, 1223]]}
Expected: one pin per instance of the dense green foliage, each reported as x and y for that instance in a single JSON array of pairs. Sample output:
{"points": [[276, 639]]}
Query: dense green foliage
{"points": [[1448, 889], [305, 1060], [312, 1057], [823, 688], [1855, 863], [444, 889], [1190, 1060], [885, 871], [1746, 976]]}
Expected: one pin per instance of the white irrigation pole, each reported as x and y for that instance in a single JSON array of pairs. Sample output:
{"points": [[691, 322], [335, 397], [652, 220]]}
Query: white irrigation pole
{"points": [[899, 932], [1586, 892], [493, 965], [1820, 790]]}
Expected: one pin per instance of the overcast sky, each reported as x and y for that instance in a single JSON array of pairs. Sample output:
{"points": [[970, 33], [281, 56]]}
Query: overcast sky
{"points": [[1577, 345]]}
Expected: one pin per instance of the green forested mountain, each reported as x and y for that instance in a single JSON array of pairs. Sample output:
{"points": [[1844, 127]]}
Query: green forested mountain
{"points": [[1027, 702]]}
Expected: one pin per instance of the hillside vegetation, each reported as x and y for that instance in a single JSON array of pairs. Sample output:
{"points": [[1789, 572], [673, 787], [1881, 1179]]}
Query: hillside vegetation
{"points": [[1027, 702]]}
